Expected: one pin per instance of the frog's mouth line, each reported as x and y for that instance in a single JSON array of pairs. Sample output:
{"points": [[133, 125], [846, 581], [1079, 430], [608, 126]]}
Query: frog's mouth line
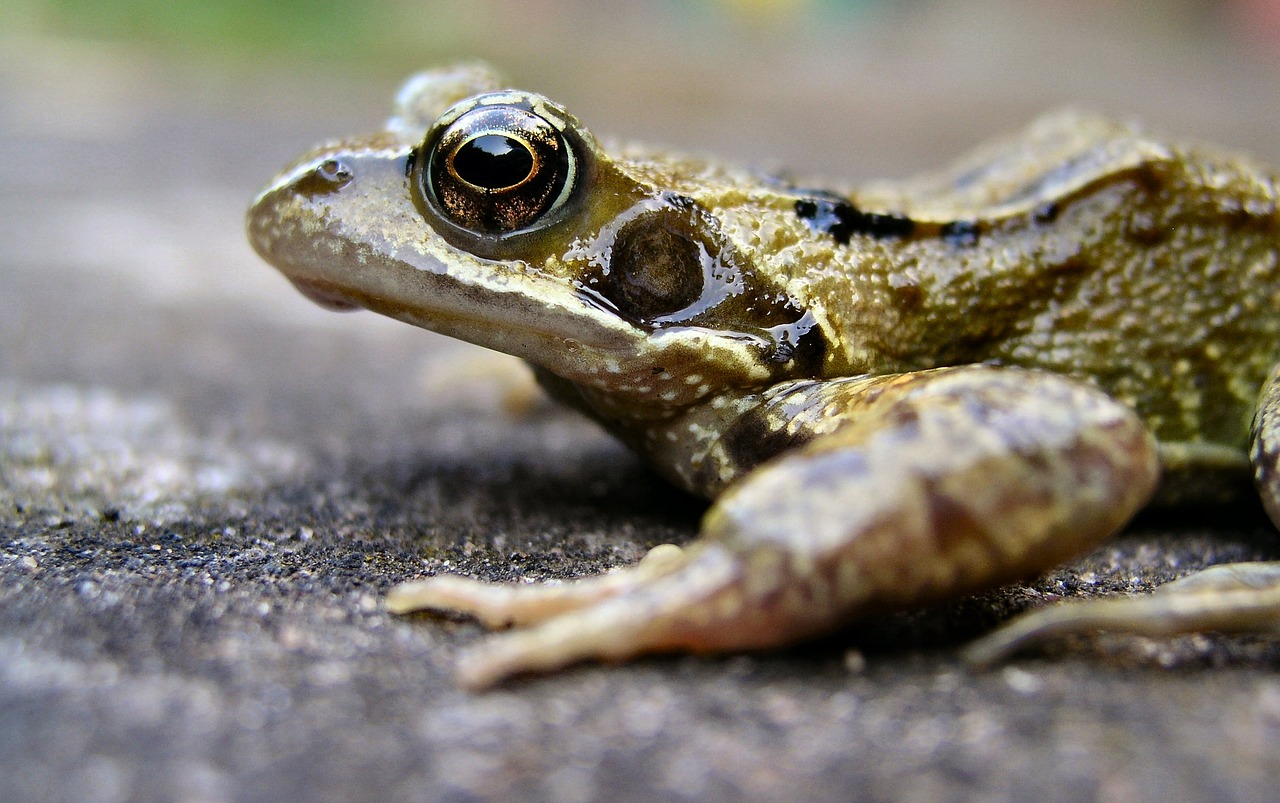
{"points": [[451, 323]]}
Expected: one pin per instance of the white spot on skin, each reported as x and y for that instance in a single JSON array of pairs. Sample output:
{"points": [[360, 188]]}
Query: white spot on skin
{"points": [[702, 434]]}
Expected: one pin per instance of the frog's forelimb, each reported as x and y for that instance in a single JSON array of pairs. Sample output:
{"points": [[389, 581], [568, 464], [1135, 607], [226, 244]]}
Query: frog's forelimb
{"points": [[948, 482]]}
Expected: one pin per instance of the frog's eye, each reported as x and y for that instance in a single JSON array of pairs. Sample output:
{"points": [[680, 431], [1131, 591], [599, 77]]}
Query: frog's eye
{"points": [[497, 167]]}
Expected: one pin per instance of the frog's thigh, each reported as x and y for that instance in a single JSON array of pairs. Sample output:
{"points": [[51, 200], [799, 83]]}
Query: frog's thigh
{"points": [[1231, 597], [949, 481], [1264, 452], [958, 480]]}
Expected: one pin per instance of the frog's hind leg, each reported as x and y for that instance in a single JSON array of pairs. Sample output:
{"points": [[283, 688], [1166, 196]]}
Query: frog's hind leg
{"points": [[944, 482], [698, 595], [1239, 597], [1236, 597], [1264, 451]]}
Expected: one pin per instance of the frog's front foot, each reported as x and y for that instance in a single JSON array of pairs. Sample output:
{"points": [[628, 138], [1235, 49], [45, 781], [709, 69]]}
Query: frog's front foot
{"points": [[945, 482]]}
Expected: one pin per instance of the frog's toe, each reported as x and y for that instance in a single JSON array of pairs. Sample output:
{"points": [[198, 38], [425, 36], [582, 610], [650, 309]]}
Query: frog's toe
{"points": [[702, 600], [707, 598], [1240, 597], [506, 604]]}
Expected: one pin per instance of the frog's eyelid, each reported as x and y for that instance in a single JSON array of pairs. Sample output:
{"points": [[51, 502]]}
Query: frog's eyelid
{"points": [[425, 96]]}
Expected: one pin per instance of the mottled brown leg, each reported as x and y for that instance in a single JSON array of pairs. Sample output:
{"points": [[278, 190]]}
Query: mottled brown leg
{"points": [[1240, 597], [947, 482], [1264, 452]]}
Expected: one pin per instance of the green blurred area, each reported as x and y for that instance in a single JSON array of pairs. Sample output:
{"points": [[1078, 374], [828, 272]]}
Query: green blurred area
{"points": [[394, 31], [310, 29], [379, 33], [224, 23]]}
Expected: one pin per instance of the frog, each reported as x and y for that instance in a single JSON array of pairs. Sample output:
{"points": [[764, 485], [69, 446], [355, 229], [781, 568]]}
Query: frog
{"points": [[893, 395]]}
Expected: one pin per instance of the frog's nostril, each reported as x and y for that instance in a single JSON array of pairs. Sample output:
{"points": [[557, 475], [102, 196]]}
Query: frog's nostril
{"points": [[334, 171], [320, 178]]}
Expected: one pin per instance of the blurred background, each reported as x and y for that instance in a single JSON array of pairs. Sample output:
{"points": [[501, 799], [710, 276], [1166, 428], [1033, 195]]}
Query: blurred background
{"points": [[816, 82]]}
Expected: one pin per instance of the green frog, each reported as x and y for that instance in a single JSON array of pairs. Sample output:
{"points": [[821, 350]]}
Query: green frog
{"points": [[894, 395]]}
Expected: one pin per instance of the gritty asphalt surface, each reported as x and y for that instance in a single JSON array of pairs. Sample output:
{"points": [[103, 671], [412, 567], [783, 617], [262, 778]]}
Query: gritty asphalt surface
{"points": [[206, 486]]}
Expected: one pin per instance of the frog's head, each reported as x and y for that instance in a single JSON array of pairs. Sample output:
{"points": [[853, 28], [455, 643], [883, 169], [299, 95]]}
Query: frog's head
{"points": [[495, 217]]}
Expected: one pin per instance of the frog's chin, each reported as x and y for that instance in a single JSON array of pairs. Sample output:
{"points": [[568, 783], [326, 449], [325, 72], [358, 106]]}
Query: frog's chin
{"points": [[324, 296]]}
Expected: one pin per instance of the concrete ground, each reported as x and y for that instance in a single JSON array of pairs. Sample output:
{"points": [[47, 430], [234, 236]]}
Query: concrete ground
{"points": [[206, 484]]}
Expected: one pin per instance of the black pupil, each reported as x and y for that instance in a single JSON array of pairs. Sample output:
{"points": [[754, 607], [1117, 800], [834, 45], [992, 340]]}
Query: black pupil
{"points": [[493, 162]]}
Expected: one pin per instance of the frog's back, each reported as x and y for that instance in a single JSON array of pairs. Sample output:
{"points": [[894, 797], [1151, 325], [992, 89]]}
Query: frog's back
{"points": [[1087, 249]]}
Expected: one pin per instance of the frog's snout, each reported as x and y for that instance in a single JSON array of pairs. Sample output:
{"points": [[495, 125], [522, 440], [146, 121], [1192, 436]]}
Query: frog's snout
{"points": [[269, 233], [283, 220]]}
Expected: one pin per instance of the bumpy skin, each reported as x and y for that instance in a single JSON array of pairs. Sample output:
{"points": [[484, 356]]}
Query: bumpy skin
{"points": [[895, 395]]}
